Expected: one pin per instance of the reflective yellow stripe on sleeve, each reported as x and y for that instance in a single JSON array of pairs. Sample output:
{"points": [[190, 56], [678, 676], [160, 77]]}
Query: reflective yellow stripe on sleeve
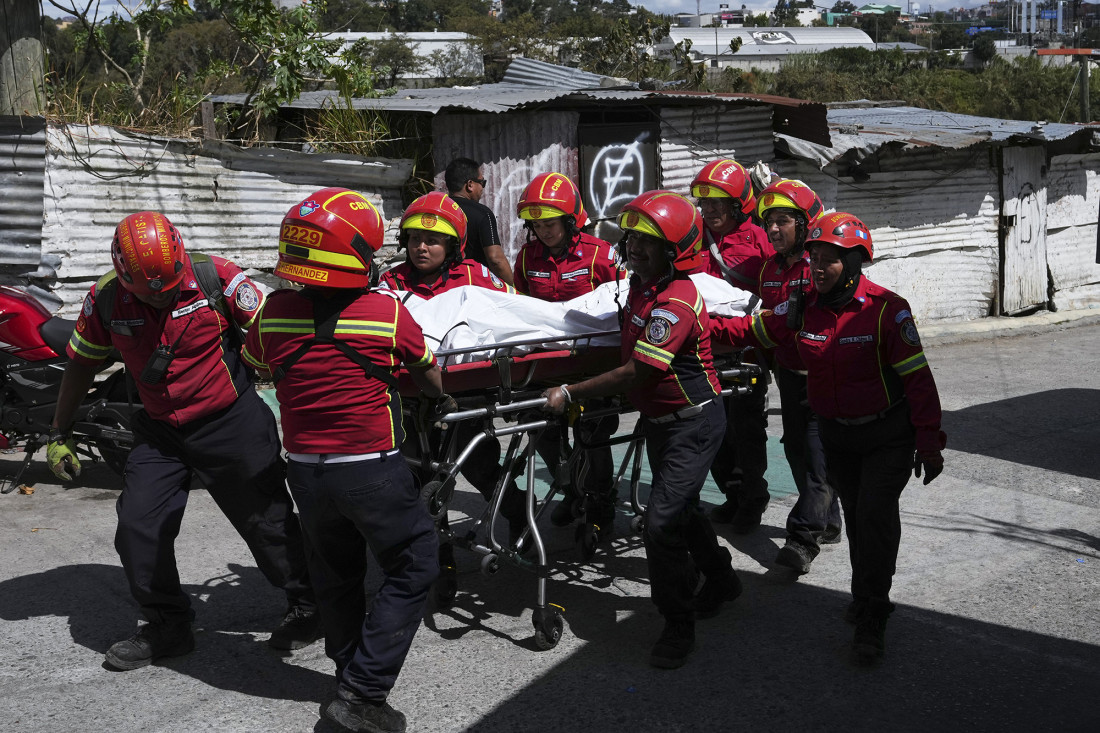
{"points": [[87, 349], [647, 349], [761, 332], [910, 365]]}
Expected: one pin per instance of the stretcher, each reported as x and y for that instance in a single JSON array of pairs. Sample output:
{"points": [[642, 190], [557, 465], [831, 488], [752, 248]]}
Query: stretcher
{"points": [[502, 391]]}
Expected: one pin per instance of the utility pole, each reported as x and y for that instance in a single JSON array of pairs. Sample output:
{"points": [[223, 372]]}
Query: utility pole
{"points": [[21, 59]]}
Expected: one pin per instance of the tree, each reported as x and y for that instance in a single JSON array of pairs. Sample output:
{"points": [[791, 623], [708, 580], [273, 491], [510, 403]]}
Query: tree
{"points": [[985, 48], [843, 6], [391, 58]]}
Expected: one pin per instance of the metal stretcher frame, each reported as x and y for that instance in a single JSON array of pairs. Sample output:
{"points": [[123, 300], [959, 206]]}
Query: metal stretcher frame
{"points": [[508, 384]]}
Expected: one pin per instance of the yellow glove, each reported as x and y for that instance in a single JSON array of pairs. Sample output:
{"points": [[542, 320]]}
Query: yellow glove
{"points": [[61, 457]]}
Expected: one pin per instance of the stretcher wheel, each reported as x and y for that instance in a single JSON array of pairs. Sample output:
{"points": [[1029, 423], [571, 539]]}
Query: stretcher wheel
{"points": [[549, 627], [586, 537], [490, 565], [637, 524], [434, 500]]}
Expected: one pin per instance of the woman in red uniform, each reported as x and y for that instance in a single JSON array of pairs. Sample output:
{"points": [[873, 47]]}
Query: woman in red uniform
{"points": [[433, 232], [723, 190], [788, 209], [560, 262], [668, 375], [879, 412]]}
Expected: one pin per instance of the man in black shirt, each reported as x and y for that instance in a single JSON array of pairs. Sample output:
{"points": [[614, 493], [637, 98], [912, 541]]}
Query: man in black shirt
{"points": [[466, 185]]}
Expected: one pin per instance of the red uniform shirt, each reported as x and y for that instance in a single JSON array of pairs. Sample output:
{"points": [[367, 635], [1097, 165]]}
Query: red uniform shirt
{"points": [[774, 280], [665, 326], [744, 242], [328, 404], [467, 272], [200, 379], [861, 359], [585, 265]]}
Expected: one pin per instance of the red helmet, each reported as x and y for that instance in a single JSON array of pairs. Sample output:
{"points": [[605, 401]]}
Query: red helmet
{"points": [[549, 196], [147, 252], [438, 212], [725, 179], [328, 240], [790, 194], [671, 217], [843, 230]]}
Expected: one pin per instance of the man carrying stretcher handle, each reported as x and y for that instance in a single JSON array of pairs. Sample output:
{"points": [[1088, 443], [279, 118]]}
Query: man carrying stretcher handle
{"points": [[332, 348], [668, 375], [433, 233]]}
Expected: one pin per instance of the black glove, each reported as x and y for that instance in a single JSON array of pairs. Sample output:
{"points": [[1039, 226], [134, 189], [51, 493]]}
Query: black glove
{"points": [[932, 463], [432, 411]]}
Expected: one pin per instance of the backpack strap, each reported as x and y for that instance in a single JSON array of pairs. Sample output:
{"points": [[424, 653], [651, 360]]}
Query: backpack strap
{"points": [[326, 316], [206, 274], [105, 297]]}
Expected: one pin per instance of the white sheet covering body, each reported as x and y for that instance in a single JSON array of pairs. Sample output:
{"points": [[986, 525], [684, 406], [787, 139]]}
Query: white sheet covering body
{"points": [[471, 316]]}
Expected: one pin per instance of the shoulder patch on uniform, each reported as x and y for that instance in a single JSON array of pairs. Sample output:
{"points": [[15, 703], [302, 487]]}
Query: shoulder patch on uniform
{"points": [[909, 332], [88, 305], [237, 280], [497, 282], [247, 297], [780, 309], [902, 315], [658, 330], [669, 315], [81, 324]]}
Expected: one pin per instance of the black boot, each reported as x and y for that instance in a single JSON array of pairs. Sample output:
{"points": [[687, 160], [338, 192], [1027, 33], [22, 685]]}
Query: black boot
{"points": [[352, 713], [301, 627], [716, 591], [796, 555], [152, 641], [869, 642], [675, 645]]}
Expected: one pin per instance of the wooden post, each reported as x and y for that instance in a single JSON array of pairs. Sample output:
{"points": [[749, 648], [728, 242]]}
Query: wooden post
{"points": [[1085, 117], [209, 132], [21, 59]]}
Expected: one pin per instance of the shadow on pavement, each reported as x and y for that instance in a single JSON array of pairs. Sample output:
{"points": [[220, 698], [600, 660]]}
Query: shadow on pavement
{"points": [[1054, 430], [778, 659], [234, 614]]}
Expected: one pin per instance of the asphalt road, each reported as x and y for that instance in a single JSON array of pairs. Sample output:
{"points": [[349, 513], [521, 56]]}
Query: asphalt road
{"points": [[997, 628]]}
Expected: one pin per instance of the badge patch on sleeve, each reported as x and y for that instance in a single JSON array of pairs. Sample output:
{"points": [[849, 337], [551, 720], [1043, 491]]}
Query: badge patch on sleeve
{"points": [[658, 331], [88, 307], [909, 333], [780, 309], [497, 283], [247, 297]]}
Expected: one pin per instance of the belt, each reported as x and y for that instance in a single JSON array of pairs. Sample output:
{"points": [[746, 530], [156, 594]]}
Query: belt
{"points": [[340, 457], [864, 419], [683, 414]]}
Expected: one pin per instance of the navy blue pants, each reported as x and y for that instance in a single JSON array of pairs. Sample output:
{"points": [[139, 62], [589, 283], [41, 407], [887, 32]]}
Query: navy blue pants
{"points": [[347, 508], [234, 454], [818, 506], [869, 465], [678, 536], [745, 447]]}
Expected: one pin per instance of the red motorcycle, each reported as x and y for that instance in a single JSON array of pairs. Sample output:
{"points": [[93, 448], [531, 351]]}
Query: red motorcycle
{"points": [[32, 362]]}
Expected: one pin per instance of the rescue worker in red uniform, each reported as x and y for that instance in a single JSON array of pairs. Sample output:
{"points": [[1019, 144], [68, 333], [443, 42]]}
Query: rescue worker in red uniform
{"points": [[788, 208], [869, 383], [667, 373], [201, 419], [560, 262], [725, 196], [435, 251], [332, 348], [433, 233]]}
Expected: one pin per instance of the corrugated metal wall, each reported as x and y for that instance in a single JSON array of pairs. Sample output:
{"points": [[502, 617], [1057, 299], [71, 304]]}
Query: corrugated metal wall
{"points": [[691, 136], [513, 149], [22, 167], [1073, 197], [230, 205], [934, 231]]}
